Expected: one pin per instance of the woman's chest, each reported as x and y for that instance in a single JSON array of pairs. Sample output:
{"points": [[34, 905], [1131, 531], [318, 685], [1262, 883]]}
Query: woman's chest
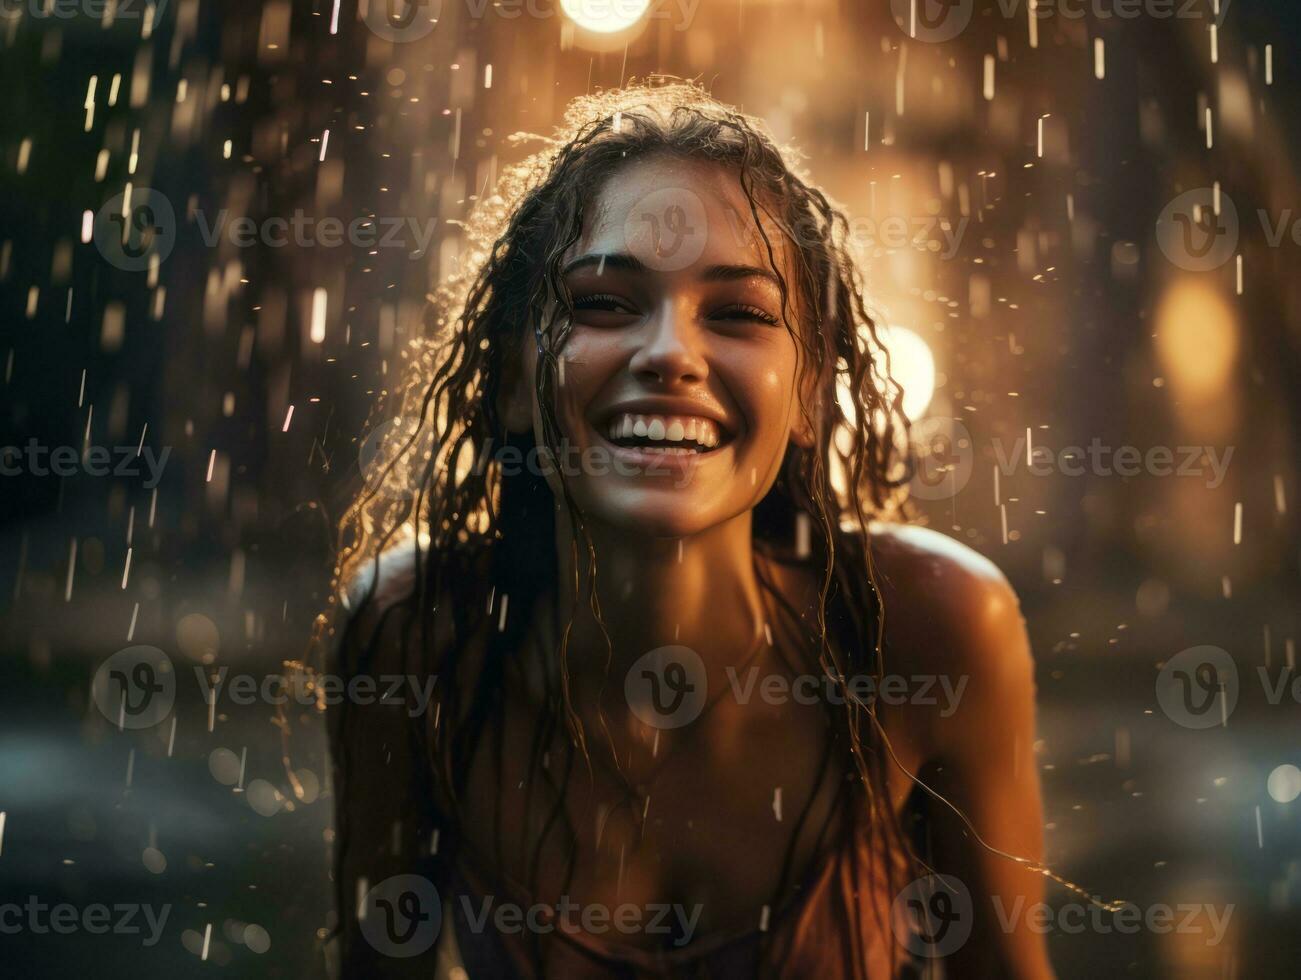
{"points": [[714, 839]]}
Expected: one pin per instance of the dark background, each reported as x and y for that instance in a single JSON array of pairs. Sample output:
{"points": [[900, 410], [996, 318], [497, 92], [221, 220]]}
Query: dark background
{"points": [[1116, 575]]}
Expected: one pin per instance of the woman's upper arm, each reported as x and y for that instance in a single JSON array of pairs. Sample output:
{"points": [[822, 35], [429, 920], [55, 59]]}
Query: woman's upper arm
{"points": [[958, 619], [373, 741]]}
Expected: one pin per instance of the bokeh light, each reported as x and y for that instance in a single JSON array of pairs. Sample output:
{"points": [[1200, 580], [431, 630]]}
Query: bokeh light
{"points": [[605, 16]]}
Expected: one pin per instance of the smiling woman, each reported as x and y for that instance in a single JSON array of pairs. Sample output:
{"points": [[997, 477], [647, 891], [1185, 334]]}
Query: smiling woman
{"points": [[661, 352], [662, 295]]}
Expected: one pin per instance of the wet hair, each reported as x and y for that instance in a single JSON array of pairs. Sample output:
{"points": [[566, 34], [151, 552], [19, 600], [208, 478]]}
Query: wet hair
{"points": [[437, 488]]}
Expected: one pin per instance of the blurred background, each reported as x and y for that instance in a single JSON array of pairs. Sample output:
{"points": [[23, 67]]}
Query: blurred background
{"points": [[1079, 220]]}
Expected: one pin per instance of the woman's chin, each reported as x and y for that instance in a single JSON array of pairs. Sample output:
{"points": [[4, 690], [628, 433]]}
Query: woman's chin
{"points": [[656, 514]]}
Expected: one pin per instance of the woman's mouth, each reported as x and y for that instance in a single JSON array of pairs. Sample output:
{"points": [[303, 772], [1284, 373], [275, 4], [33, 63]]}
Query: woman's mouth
{"points": [[669, 435]]}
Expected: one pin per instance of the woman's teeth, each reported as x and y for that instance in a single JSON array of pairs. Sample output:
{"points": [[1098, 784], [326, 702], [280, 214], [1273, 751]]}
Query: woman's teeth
{"points": [[665, 433]]}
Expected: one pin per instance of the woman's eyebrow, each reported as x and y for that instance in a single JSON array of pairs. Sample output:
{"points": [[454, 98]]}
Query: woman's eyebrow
{"points": [[622, 261], [731, 273]]}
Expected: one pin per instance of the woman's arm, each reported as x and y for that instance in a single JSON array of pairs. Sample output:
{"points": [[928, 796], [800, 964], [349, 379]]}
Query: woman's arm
{"points": [[377, 832], [952, 615]]}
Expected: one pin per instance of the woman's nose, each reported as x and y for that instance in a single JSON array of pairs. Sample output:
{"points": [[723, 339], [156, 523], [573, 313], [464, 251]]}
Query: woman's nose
{"points": [[671, 350]]}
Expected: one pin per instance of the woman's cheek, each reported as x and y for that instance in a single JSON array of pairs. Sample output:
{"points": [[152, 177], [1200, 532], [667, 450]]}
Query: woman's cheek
{"points": [[771, 390], [579, 374]]}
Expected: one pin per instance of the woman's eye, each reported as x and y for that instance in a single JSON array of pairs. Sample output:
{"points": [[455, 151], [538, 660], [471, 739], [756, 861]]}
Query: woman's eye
{"points": [[742, 311], [603, 302]]}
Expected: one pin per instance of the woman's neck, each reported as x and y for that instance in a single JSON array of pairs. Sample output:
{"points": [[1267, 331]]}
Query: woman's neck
{"points": [[699, 591]]}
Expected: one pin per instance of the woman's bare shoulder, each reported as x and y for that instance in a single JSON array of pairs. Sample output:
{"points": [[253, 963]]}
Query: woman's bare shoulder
{"points": [[944, 602], [383, 607], [375, 600], [913, 548], [384, 581]]}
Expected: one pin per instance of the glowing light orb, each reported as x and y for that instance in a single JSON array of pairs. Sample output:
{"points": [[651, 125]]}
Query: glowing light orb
{"points": [[912, 365], [1197, 339], [1284, 783], [605, 16]]}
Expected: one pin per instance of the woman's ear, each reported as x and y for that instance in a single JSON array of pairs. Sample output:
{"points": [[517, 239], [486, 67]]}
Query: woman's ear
{"points": [[802, 433], [515, 395]]}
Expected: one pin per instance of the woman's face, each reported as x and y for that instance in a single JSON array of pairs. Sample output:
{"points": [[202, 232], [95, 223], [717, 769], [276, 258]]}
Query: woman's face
{"points": [[679, 377]]}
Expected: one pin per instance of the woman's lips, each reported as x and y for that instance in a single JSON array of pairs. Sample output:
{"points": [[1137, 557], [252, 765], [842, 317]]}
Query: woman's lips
{"points": [[667, 458], [682, 431]]}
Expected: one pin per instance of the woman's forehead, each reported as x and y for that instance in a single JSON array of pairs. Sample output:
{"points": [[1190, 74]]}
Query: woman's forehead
{"points": [[678, 215]]}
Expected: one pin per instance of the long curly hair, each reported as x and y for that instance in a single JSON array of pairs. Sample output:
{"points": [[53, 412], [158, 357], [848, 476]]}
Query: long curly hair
{"points": [[434, 484]]}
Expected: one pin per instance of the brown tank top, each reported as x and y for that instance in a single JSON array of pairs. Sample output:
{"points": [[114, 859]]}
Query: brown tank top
{"points": [[827, 928]]}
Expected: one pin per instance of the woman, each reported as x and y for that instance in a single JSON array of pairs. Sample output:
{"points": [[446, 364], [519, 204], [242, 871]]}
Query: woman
{"points": [[629, 532]]}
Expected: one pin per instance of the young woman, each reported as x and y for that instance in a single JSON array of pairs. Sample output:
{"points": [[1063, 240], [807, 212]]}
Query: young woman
{"points": [[632, 533]]}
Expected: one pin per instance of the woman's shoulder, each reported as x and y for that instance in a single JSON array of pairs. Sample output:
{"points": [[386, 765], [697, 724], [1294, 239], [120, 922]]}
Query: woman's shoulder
{"points": [[943, 602], [952, 619], [910, 552], [382, 603]]}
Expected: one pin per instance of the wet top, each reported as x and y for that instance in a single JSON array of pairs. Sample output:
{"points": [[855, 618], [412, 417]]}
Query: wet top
{"points": [[819, 931]]}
